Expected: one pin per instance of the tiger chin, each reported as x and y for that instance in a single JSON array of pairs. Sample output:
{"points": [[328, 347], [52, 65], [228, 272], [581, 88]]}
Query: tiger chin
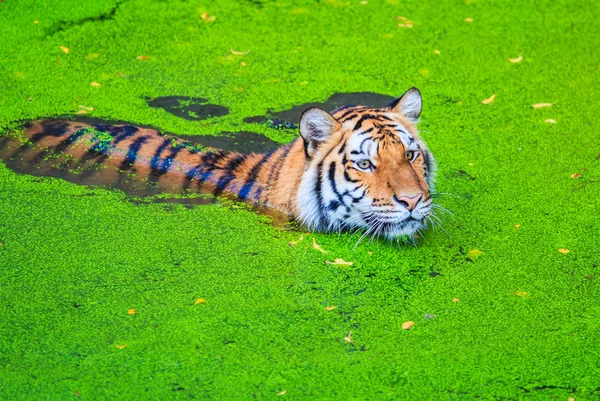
{"points": [[357, 168]]}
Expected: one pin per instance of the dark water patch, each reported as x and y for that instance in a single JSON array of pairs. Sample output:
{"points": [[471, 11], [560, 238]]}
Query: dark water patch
{"points": [[188, 108], [243, 141], [292, 116], [64, 25]]}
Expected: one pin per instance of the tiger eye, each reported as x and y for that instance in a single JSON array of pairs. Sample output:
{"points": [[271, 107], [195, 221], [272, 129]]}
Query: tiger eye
{"points": [[364, 164], [410, 155]]}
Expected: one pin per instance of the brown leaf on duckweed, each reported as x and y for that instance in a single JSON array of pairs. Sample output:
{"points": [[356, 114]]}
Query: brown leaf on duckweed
{"points": [[348, 337], [517, 226], [294, 243], [143, 57], [339, 262], [551, 121], [207, 18], [408, 325], [522, 294], [96, 84], [564, 251], [121, 346], [234, 52], [540, 105], [132, 311], [489, 99], [199, 301], [65, 49], [576, 175], [475, 253], [516, 60], [330, 308], [318, 247], [455, 300], [468, 19], [76, 394]]}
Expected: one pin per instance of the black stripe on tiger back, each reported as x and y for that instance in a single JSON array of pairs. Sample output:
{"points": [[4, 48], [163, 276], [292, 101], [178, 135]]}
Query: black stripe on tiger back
{"points": [[251, 179], [62, 146], [275, 170], [131, 156], [228, 170]]}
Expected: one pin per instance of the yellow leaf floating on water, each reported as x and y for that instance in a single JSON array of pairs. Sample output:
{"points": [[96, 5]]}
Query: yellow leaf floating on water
{"points": [[338, 261], [143, 57], [516, 60], [207, 18], [408, 325], [475, 253], [96, 84], [468, 19], [199, 301], [437, 52], [522, 294], [489, 99], [65, 49], [540, 105], [348, 337], [330, 308], [564, 251], [318, 247], [576, 175], [235, 52], [455, 299], [121, 346], [406, 22], [281, 392], [517, 226], [294, 243], [132, 311]]}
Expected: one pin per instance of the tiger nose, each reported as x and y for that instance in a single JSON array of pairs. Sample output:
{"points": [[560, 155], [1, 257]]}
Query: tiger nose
{"points": [[409, 202]]}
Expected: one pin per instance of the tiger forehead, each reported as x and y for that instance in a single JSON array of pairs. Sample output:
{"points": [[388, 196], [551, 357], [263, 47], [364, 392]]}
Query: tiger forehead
{"points": [[382, 135]]}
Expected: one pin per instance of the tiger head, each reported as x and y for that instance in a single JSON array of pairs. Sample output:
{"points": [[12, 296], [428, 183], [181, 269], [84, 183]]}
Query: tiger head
{"points": [[366, 168]]}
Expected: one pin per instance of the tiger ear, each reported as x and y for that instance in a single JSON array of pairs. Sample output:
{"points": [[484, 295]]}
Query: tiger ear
{"points": [[409, 104], [316, 126]]}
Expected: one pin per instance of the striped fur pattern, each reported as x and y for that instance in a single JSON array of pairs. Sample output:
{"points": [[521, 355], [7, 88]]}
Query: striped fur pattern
{"points": [[356, 168]]}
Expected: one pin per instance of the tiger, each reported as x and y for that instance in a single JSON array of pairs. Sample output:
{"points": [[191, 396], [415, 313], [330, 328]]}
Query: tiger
{"points": [[356, 168]]}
